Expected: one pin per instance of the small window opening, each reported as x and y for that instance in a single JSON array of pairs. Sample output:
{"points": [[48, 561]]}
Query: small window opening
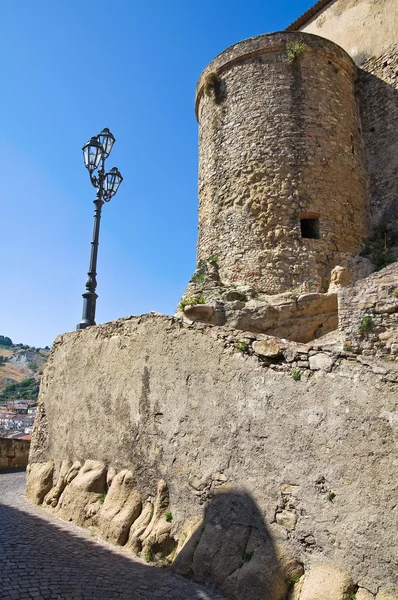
{"points": [[310, 228]]}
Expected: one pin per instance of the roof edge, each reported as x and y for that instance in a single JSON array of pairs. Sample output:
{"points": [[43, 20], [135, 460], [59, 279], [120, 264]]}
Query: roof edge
{"points": [[309, 14]]}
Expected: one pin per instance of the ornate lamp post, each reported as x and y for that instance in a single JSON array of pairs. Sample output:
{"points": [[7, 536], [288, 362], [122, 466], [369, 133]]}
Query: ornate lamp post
{"points": [[95, 152]]}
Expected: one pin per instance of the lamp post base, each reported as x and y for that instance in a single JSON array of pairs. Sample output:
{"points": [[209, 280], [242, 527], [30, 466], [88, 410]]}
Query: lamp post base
{"points": [[89, 300]]}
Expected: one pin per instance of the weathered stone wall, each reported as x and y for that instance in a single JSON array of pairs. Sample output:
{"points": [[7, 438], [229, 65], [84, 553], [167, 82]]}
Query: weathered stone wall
{"points": [[13, 453], [368, 31], [368, 314], [379, 113], [364, 28], [167, 416], [279, 141]]}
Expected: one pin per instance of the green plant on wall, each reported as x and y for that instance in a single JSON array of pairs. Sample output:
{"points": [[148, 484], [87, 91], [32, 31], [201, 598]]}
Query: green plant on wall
{"points": [[242, 346], [366, 325], [296, 375], [190, 301], [294, 50], [198, 278]]}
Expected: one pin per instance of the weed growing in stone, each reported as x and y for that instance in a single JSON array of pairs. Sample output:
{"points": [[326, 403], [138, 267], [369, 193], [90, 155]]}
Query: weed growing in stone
{"points": [[292, 582], [169, 517], [296, 375], [102, 497], [189, 301], [242, 346], [198, 278], [294, 50], [395, 293], [347, 347], [148, 555], [213, 259], [366, 325]]}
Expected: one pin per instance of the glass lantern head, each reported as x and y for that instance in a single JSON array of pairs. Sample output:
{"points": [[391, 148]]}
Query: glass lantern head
{"points": [[106, 139], [92, 152], [112, 181]]}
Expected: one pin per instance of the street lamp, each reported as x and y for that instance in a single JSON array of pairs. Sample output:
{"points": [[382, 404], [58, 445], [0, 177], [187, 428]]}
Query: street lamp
{"points": [[95, 152]]}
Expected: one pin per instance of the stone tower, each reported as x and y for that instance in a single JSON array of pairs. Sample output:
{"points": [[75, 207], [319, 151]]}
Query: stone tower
{"points": [[283, 189], [282, 181]]}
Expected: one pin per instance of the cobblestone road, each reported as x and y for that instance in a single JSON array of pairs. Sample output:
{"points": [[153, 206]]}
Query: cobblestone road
{"points": [[42, 557]]}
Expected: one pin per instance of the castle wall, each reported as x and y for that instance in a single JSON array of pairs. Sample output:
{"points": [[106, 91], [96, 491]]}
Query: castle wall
{"points": [[279, 142], [364, 28], [182, 405], [368, 31]]}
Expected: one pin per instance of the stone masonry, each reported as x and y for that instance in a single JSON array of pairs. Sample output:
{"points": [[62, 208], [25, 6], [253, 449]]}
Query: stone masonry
{"points": [[280, 148], [163, 417]]}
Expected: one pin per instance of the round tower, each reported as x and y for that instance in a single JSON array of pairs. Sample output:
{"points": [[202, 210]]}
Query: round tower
{"points": [[282, 183]]}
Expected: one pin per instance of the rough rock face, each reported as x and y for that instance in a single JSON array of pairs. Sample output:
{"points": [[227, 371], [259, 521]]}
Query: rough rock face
{"points": [[175, 421]]}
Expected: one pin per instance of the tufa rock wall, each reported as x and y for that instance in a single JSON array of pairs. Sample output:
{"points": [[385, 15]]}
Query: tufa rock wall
{"points": [[242, 459]]}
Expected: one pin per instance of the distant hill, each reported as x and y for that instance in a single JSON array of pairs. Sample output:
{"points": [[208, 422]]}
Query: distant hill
{"points": [[21, 367]]}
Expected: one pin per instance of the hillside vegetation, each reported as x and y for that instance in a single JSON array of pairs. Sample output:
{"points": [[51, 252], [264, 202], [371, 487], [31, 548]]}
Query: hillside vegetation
{"points": [[21, 367]]}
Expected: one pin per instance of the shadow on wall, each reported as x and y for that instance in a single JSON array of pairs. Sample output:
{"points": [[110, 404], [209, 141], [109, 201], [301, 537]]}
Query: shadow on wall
{"points": [[379, 117], [233, 552]]}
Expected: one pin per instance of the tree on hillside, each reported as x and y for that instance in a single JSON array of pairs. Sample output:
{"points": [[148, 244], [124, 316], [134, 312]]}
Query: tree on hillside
{"points": [[5, 341], [28, 389]]}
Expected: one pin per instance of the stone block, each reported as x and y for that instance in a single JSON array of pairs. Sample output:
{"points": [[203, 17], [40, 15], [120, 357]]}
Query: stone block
{"points": [[321, 362], [326, 582]]}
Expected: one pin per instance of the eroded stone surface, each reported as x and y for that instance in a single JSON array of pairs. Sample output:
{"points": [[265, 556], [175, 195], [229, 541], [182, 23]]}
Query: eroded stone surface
{"points": [[326, 582], [121, 508], [387, 593], [39, 480]]}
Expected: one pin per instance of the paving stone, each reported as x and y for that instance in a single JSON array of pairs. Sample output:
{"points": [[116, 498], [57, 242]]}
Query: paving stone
{"points": [[44, 558]]}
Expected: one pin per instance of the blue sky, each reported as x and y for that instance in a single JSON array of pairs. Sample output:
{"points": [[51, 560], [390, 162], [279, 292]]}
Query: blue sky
{"points": [[68, 70]]}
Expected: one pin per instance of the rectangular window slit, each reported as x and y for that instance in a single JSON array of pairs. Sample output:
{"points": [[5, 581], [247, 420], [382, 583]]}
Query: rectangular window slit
{"points": [[310, 228]]}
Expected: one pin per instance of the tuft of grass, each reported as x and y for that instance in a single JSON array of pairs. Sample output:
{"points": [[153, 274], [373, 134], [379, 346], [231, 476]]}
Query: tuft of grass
{"points": [[102, 497], [247, 556], [148, 555], [294, 50], [292, 582], [347, 347], [366, 325], [395, 293], [199, 278], [187, 301], [213, 259], [169, 517], [242, 346], [296, 375]]}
